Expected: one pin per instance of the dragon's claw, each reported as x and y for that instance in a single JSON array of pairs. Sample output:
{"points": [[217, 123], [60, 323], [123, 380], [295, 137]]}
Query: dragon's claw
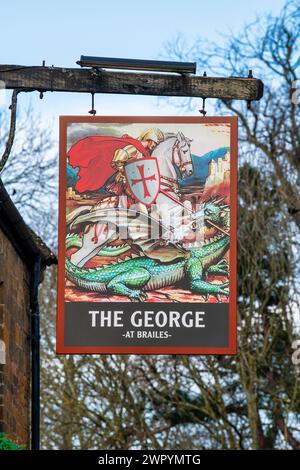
{"points": [[138, 296], [223, 263], [221, 268], [223, 272], [223, 292], [224, 285]]}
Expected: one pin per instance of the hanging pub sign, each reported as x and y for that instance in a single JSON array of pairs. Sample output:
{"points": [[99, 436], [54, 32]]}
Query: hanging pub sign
{"points": [[147, 235]]}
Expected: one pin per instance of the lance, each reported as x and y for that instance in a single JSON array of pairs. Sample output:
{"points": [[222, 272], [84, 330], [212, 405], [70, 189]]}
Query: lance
{"points": [[165, 193]]}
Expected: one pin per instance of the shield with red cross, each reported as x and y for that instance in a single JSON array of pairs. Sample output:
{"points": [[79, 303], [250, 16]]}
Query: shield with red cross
{"points": [[143, 178]]}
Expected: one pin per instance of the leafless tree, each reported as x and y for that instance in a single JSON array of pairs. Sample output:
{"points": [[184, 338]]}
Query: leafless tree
{"points": [[251, 400], [31, 172], [269, 46], [186, 402]]}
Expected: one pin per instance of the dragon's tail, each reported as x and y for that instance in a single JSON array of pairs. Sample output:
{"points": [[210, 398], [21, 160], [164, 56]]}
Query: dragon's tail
{"points": [[88, 279]]}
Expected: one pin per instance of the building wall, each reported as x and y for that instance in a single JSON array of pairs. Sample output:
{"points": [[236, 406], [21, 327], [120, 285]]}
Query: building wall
{"points": [[14, 331]]}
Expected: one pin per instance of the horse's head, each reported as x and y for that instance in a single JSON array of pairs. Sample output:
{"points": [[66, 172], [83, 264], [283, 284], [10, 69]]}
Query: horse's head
{"points": [[181, 155]]}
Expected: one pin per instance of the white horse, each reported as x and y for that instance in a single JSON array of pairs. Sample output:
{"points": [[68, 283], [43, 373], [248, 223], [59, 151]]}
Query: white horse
{"points": [[170, 212], [173, 155]]}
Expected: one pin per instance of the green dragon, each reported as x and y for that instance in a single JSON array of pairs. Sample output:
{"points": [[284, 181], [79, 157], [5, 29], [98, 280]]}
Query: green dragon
{"points": [[132, 277]]}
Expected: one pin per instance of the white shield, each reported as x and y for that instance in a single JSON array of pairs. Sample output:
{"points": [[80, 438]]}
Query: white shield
{"points": [[143, 179]]}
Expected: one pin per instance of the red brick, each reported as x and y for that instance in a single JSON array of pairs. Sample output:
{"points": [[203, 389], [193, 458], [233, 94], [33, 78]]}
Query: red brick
{"points": [[14, 330]]}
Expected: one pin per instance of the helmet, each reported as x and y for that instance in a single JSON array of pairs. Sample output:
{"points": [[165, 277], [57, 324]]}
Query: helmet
{"points": [[152, 134]]}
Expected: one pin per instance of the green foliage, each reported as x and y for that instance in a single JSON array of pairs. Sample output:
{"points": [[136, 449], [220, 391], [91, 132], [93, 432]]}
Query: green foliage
{"points": [[6, 444]]}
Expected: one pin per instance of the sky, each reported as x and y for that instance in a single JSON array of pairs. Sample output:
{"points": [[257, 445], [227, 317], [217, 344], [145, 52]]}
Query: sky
{"points": [[60, 31], [204, 138]]}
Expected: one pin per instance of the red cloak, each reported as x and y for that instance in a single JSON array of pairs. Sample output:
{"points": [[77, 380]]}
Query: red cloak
{"points": [[93, 156]]}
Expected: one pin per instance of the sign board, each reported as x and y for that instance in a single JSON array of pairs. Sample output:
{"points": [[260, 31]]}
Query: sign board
{"points": [[147, 235]]}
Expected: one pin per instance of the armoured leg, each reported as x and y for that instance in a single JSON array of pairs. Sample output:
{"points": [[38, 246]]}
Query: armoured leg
{"points": [[95, 238]]}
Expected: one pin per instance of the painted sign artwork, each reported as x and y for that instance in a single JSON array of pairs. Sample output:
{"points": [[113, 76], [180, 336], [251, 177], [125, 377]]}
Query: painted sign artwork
{"points": [[147, 235]]}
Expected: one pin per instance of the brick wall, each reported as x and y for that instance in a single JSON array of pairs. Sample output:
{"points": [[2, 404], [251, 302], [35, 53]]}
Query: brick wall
{"points": [[14, 331]]}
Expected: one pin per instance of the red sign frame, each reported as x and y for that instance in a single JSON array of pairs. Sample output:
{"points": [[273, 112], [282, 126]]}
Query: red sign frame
{"points": [[231, 349]]}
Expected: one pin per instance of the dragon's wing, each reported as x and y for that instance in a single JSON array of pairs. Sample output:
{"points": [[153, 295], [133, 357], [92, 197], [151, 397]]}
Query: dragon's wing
{"points": [[137, 229], [76, 213], [119, 217]]}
